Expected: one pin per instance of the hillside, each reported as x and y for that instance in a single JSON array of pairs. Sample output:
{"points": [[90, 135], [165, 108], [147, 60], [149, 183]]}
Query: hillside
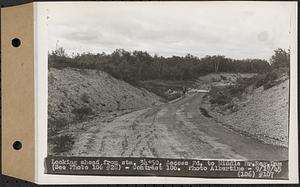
{"points": [[262, 113], [95, 92], [220, 79]]}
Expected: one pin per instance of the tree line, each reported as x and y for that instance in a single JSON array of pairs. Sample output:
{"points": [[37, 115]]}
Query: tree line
{"points": [[140, 65]]}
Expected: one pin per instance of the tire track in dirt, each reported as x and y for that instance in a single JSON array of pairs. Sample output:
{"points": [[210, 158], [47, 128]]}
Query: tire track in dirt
{"points": [[173, 130], [145, 137], [124, 145], [202, 145]]}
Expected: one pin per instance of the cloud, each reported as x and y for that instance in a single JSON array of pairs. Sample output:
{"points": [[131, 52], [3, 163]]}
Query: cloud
{"points": [[237, 30]]}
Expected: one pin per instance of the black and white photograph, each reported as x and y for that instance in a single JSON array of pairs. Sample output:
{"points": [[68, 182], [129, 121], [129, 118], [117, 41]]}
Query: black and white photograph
{"points": [[176, 80]]}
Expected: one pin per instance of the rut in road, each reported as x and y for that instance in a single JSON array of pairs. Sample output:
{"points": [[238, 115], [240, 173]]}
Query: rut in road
{"points": [[173, 130]]}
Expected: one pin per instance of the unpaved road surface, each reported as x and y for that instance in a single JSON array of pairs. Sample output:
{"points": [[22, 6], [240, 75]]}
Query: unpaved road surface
{"points": [[172, 130]]}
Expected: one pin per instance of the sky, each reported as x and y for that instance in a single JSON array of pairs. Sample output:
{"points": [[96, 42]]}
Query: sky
{"points": [[237, 30]]}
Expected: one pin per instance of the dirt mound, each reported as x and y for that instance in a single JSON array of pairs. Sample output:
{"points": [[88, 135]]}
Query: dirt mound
{"points": [[72, 91], [220, 79], [263, 114]]}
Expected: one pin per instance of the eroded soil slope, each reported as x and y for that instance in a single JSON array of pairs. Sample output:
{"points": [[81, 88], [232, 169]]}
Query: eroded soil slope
{"points": [[71, 88], [262, 115]]}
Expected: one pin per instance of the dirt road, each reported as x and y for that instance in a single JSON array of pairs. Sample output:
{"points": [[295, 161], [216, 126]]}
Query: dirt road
{"points": [[173, 130]]}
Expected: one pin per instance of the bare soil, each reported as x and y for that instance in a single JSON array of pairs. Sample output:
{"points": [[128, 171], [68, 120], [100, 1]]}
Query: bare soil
{"points": [[172, 130], [72, 88]]}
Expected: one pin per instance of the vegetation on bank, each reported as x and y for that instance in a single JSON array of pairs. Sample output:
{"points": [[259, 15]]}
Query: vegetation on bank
{"points": [[138, 66], [279, 67], [141, 69]]}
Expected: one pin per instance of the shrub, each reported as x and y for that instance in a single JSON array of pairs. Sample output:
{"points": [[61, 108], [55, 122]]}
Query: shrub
{"points": [[55, 125], [281, 58], [82, 113], [270, 85], [204, 112], [220, 95], [223, 78], [85, 98], [245, 82], [224, 95], [270, 79], [61, 144]]}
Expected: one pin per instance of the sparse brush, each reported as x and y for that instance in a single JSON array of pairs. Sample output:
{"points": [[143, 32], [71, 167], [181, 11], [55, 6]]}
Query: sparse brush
{"points": [[226, 94], [220, 95], [270, 79]]}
